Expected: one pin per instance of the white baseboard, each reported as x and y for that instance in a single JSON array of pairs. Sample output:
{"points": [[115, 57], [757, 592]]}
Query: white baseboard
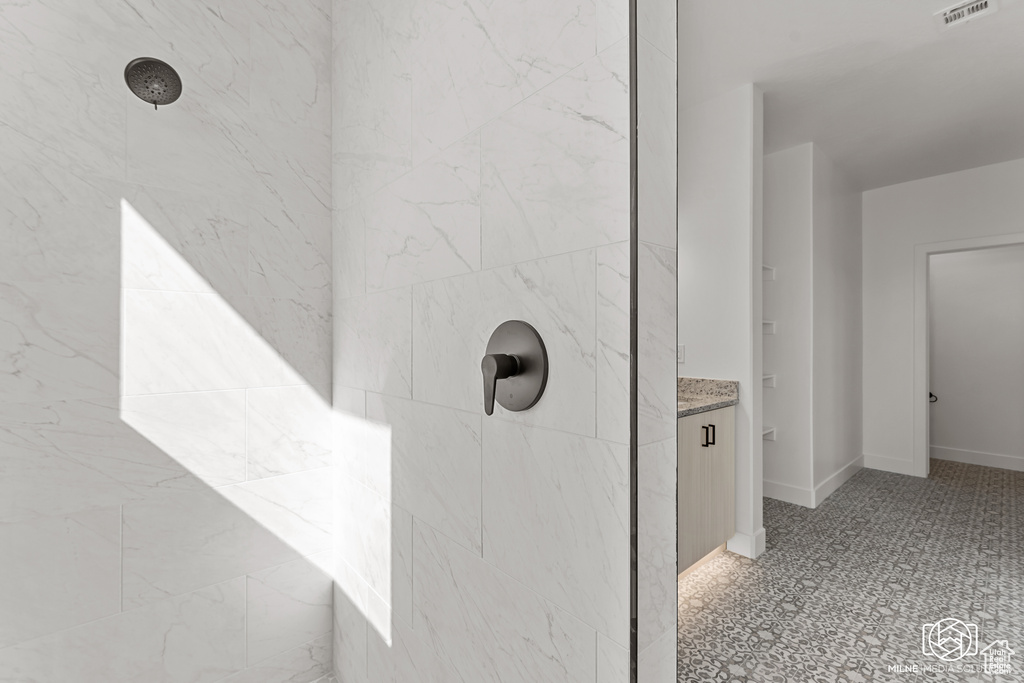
{"points": [[788, 494], [830, 485], [1003, 462], [809, 498], [747, 545], [881, 462]]}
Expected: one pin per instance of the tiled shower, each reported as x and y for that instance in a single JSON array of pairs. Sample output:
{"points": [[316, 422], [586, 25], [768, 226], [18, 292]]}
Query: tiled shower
{"points": [[241, 431]]}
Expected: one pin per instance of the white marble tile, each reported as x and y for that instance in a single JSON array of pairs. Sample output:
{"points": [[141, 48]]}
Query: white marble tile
{"points": [[308, 662], [349, 249], [374, 539], [58, 84], [373, 343], [351, 628], [287, 606], [363, 534], [291, 61], [401, 564], [58, 340], [612, 661], [657, 662], [296, 508], [67, 456], [203, 431], [288, 430], [556, 166], [55, 224], [177, 543], [613, 330], [490, 627], [556, 517], [372, 96], [183, 341], [656, 22], [174, 241], [656, 540], [407, 659], [435, 464], [174, 544], [347, 403], [297, 335], [362, 450], [612, 22], [293, 166], [58, 572], [426, 224], [198, 638], [482, 59], [657, 163], [186, 147], [656, 343], [289, 254], [218, 151], [454, 318]]}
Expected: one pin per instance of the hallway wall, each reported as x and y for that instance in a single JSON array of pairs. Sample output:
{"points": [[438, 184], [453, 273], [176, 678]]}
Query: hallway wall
{"points": [[164, 515], [481, 173], [980, 202]]}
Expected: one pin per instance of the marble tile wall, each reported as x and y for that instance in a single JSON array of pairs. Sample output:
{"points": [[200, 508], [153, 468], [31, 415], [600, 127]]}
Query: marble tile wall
{"points": [[656, 335], [481, 173], [165, 344]]}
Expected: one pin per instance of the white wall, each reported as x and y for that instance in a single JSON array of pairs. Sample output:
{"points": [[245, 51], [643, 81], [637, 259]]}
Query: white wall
{"points": [[812, 238], [787, 301], [981, 202], [976, 301], [720, 161], [837, 325]]}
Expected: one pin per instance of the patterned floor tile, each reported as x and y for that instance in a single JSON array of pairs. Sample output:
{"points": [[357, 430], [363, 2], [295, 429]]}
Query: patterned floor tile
{"points": [[843, 591]]}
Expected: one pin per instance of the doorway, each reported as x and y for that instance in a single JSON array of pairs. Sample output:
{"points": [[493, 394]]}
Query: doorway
{"points": [[968, 329]]}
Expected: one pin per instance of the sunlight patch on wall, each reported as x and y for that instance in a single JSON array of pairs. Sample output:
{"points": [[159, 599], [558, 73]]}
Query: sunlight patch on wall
{"points": [[199, 382]]}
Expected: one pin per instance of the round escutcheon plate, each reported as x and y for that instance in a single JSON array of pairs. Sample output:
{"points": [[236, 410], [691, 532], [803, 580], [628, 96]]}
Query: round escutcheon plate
{"points": [[520, 339]]}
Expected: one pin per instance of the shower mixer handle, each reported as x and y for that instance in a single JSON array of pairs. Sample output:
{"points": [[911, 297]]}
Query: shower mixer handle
{"points": [[515, 367], [496, 366]]}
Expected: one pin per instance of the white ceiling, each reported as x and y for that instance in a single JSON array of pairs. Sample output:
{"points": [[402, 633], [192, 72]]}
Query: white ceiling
{"points": [[884, 92]]}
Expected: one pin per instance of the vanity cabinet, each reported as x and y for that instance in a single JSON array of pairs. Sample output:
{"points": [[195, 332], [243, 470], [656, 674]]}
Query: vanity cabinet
{"points": [[707, 488]]}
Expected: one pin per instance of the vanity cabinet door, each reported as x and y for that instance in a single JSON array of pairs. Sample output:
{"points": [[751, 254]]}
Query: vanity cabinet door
{"points": [[693, 498], [707, 476]]}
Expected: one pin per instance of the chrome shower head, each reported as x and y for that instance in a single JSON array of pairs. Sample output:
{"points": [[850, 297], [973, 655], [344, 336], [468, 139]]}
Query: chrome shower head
{"points": [[153, 81]]}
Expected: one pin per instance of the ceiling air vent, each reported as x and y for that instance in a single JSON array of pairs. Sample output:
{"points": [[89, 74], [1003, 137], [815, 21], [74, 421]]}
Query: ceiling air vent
{"points": [[964, 12]]}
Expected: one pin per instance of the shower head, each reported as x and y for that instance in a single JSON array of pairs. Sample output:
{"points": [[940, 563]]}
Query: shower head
{"points": [[152, 81]]}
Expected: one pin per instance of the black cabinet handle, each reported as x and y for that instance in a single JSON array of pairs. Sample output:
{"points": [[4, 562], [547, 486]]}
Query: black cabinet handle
{"points": [[711, 429], [704, 436]]}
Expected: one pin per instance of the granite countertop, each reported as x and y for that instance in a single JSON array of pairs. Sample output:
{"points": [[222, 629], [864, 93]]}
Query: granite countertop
{"points": [[701, 395]]}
